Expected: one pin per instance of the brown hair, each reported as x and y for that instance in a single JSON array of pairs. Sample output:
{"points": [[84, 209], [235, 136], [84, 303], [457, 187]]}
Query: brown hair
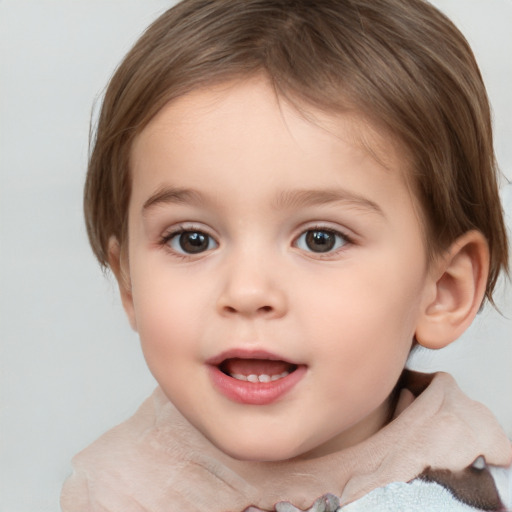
{"points": [[400, 63]]}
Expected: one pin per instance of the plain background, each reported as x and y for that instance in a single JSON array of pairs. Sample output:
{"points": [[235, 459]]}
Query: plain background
{"points": [[70, 367]]}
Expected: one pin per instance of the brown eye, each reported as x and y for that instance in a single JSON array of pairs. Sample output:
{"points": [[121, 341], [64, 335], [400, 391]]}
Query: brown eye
{"points": [[320, 240], [192, 242]]}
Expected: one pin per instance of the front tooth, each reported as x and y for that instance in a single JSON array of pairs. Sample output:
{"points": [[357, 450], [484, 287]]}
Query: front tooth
{"points": [[279, 376], [259, 378]]}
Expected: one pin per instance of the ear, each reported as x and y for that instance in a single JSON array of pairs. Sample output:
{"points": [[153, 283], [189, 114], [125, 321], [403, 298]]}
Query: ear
{"points": [[117, 260], [459, 280]]}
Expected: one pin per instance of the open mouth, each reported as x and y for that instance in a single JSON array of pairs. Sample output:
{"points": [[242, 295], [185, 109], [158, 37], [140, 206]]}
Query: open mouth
{"points": [[254, 377], [256, 370]]}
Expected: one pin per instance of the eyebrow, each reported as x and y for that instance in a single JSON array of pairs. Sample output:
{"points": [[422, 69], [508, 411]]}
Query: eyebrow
{"points": [[300, 198], [172, 195], [287, 199]]}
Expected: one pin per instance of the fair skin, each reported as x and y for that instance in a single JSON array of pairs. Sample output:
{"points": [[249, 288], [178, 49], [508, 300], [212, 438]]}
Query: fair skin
{"points": [[276, 271]]}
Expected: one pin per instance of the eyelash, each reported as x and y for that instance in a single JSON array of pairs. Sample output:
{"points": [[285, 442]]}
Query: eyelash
{"points": [[175, 233], [345, 240]]}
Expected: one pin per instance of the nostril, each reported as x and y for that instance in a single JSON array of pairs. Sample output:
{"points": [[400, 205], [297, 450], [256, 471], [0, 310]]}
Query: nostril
{"points": [[261, 310], [251, 301]]}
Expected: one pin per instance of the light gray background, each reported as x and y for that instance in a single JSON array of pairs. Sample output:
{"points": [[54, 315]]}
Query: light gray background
{"points": [[70, 367]]}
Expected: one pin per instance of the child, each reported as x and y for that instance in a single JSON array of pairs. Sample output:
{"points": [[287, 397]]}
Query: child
{"points": [[291, 195]]}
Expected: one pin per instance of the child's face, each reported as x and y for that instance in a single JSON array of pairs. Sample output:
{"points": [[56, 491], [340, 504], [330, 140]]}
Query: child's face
{"points": [[265, 245]]}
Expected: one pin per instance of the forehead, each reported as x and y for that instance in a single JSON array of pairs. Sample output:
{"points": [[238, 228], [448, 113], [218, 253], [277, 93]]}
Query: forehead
{"points": [[208, 106], [243, 121]]}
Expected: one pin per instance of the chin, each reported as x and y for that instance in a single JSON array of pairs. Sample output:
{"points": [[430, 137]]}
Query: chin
{"points": [[257, 456], [259, 452]]}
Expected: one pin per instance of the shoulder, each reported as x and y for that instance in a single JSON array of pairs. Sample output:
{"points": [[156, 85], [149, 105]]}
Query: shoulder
{"points": [[481, 486], [122, 468], [503, 480], [419, 495], [152, 461], [98, 469], [120, 442], [416, 496]]}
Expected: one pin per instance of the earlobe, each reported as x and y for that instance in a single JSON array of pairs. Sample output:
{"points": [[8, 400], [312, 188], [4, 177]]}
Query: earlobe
{"points": [[118, 263], [459, 280]]}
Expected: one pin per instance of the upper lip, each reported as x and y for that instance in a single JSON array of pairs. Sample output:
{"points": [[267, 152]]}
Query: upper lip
{"points": [[243, 353]]}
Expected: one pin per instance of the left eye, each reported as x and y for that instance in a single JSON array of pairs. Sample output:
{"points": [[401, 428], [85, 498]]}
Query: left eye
{"points": [[320, 240], [191, 242]]}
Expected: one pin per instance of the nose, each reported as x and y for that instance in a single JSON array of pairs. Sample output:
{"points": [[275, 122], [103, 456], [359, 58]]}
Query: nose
{"points": [[251, 288]]}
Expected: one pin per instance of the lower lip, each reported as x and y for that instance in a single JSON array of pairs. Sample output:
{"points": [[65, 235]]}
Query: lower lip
{"points": [[255, 393]]}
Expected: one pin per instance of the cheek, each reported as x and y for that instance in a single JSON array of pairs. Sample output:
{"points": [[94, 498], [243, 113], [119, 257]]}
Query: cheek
{"points": [[363, 339], [167, 310], [368, 314]]}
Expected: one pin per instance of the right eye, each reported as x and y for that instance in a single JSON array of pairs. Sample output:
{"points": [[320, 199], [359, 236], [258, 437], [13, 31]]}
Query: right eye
{"points": [[191, 242]]}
